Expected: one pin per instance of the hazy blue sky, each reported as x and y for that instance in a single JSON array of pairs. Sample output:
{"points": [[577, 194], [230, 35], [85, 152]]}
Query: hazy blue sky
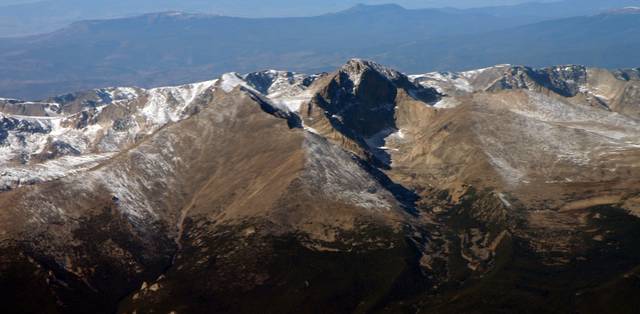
{"points": [[408, 3], [6, 2]]}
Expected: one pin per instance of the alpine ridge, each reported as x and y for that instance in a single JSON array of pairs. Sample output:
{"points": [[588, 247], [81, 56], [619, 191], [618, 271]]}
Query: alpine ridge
{"points": [[503, 189]]}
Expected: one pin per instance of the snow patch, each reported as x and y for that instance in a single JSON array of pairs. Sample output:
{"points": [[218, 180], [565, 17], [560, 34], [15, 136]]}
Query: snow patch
{"points": [[336, 175], [13, 177], [229, 81], [447, 103]]}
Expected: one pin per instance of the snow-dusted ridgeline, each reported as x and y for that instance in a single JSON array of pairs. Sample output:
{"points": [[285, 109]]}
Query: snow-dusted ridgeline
{"points": [[53, 143], [46, 147]]}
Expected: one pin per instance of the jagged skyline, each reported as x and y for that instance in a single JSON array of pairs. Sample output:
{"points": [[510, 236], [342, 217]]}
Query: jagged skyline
{"points": [[349, 191]]}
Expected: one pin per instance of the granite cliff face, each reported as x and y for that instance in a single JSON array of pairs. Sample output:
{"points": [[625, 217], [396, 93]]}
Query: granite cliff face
{"points": [[363, 190]]}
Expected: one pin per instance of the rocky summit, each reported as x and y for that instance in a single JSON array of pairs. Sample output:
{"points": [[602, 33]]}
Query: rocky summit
{"points": [[507, 189]]}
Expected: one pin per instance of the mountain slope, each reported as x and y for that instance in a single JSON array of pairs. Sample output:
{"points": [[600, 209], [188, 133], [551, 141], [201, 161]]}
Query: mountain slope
{"points": [[280, 188], [501, 189]]}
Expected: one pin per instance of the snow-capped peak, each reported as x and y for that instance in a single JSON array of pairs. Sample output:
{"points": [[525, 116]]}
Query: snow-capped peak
{"points": [[355, 68], [286, 91], [283, 88]]}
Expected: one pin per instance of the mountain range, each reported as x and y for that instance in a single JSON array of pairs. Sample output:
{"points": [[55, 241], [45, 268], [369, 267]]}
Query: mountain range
{"points": [[502, 189], [606, 40], [557, 9], [35, 17], [177, 48]]}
